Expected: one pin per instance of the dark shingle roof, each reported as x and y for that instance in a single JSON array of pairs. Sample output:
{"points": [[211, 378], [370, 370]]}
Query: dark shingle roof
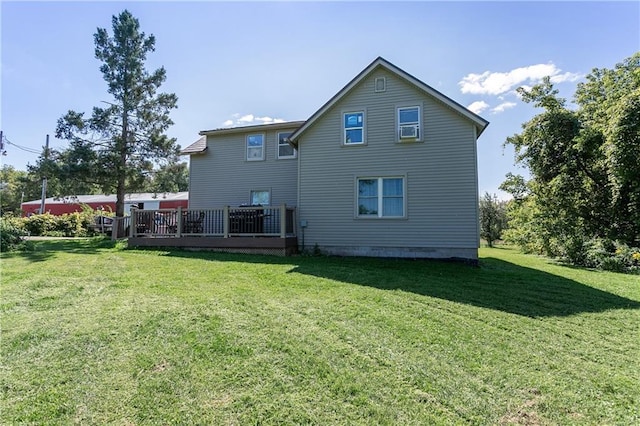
{"points": [[197, 147]]}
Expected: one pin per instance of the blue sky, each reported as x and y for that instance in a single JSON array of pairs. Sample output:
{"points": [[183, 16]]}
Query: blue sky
{"points": [[254, 62]]}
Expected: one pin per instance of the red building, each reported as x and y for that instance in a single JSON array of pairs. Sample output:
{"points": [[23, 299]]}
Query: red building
{"points": [[153, 201]]}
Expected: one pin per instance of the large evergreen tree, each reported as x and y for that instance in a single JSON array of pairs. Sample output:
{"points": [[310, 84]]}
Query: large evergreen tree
{"points": [[118, 145]]}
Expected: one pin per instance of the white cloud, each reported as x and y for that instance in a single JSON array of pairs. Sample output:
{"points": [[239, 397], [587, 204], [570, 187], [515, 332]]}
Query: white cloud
{"points": [[238, 120], [478, 106], [496, 83], [503, 106], [246, 118], [264, 119], [567, 76]]}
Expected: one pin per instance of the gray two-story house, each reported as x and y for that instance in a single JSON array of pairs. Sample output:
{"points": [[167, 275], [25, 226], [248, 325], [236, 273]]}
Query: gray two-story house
{"points": [[387, 167]]}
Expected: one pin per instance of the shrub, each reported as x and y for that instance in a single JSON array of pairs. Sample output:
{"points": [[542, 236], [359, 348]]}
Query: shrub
{"points": [[77, 224], [74, 224], [609, 255], [41, 224]]}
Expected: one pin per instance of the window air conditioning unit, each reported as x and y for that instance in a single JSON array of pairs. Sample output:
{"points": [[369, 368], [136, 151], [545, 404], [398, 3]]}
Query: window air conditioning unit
{"points": [[409, 132]]}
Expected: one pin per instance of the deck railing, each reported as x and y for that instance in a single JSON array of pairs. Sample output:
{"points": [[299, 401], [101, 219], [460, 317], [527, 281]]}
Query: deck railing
{"points": [[226, 222]]}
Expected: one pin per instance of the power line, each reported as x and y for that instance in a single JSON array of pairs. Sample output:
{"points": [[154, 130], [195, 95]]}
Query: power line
{"points": [[23, 148]]}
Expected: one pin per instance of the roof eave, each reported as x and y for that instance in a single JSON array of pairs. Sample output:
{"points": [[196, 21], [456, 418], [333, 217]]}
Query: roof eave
{"points": [[201, 151], [480, 123], [257, 127]]}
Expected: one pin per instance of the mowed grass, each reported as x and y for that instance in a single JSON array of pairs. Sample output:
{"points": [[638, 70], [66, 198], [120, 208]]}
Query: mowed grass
{"points": [[96, 334]]}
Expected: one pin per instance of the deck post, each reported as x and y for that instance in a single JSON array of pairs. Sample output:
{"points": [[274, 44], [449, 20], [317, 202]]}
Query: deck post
{"points": [[283, 220], [225, 222], [179, 222], [133, 223]]}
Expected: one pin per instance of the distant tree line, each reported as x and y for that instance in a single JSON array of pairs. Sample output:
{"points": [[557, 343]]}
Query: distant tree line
{"points": [[17, 186]]}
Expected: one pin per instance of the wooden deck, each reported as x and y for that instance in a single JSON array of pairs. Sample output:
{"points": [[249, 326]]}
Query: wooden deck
{"points": [[256, 245], [256, 229]]}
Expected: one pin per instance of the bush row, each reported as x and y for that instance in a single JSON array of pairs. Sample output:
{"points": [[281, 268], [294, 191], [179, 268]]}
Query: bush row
{"points": [[77, 224], [606, 254]]}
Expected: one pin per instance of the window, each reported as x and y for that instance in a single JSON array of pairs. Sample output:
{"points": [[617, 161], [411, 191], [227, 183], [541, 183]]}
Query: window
{"points": [[353, 128], [255, 147], [262, 197], [381, 197], [409, 123], [284, 149]]}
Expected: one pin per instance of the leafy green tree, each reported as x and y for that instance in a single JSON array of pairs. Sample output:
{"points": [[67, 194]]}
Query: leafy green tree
{"points": [[170, 177], [516, 185], [493, 218], [610, 104], [584, 165], [119, 144], [15, 187]]}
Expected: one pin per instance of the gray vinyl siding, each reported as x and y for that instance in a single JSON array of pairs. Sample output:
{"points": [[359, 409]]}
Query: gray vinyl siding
{"points": [[223, 176], [440, 171]]}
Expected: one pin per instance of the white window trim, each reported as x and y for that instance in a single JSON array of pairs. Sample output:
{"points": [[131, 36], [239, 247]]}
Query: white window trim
{"points": [[278, 145], [420, 137], [381, 197], [264, 143], [364, 128], [384, 84]]}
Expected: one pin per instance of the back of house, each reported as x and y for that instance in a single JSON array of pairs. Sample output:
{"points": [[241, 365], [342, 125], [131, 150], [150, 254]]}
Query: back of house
{"points": [[387, 167], [243, 166]]}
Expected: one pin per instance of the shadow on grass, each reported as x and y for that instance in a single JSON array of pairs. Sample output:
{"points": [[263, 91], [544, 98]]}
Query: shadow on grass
{"points": [[496, 284], [41, 250]]}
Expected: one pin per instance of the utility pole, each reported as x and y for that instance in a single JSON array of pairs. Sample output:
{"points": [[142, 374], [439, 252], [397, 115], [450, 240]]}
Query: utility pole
{"points": [[44, 178]]}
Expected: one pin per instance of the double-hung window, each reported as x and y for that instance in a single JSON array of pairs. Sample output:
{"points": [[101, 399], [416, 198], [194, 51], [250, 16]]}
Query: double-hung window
{"points": [[284, 149], [255, 147], [381, 197], [353, 128], [409, 123]]}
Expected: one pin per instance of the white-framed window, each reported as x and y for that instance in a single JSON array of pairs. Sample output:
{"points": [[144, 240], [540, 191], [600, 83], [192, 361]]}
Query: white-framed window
{"points": [[353, 128], [381, 197], [284, 149], [409, 124], [255, 147], [260, 197]]}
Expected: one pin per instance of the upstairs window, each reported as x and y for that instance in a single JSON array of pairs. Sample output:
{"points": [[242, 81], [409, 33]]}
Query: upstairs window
{"points": [[381, 197], [255, 147], [284, 149], [353, 124], [409, 124]]}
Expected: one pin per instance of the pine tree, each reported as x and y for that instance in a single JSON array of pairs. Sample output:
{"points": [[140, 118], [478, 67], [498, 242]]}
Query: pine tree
{"points": [[120, 143]]}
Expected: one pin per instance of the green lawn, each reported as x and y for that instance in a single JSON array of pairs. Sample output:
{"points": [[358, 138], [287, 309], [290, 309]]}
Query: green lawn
{"points": [[96, 334]]}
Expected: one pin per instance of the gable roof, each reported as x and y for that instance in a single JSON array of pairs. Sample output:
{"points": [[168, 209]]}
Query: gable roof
{"points": [[197, 147], [200, 146], [380, 62]]}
